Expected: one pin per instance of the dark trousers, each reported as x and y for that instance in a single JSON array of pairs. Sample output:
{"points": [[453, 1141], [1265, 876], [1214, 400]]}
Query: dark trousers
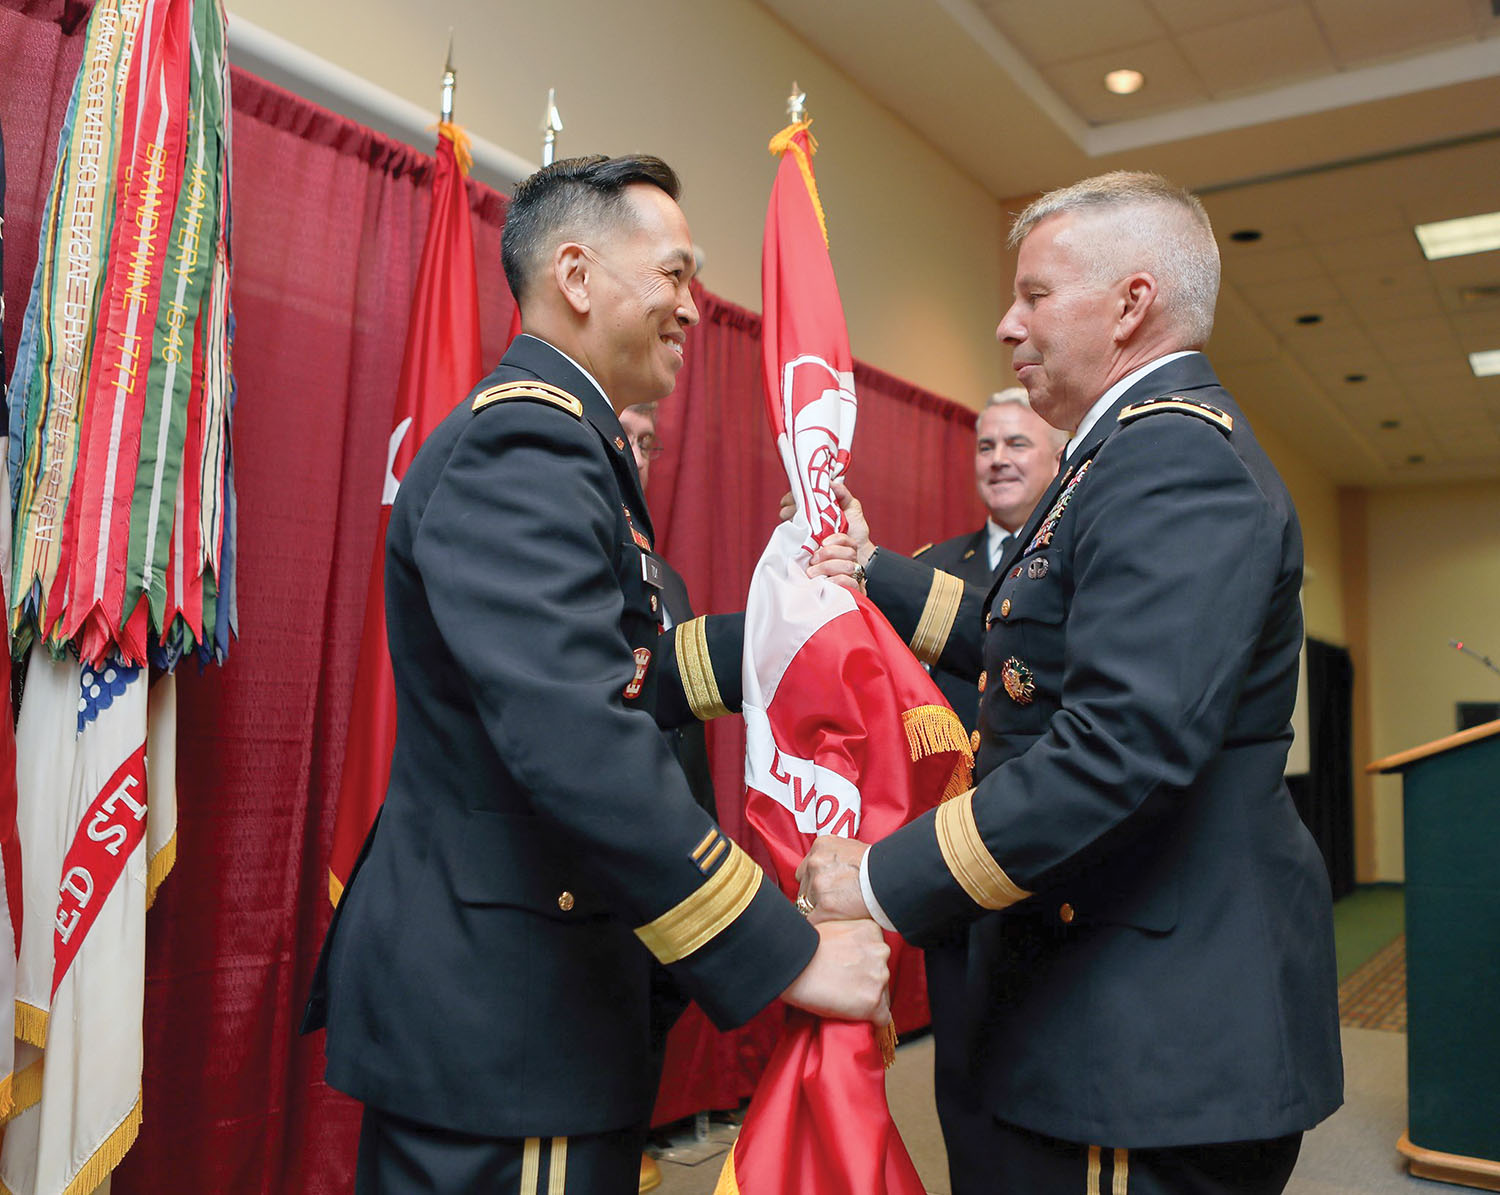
{"points": [[986, 1156], [402, 1157]]}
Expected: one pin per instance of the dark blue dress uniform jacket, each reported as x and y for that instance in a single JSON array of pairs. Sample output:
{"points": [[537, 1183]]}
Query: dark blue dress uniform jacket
{"points": [[1149, 948], [966, 557], [489, 966]]}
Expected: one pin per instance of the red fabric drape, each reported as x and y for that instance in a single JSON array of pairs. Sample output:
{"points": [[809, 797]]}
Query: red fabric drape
{"points": [[329, 219]]}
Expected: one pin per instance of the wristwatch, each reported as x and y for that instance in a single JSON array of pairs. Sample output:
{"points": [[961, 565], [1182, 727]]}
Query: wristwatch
{"points": [[862, 571]]}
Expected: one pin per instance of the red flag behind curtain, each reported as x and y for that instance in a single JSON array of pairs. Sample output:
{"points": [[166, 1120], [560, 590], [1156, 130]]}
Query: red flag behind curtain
{"points": [[441, 364]]}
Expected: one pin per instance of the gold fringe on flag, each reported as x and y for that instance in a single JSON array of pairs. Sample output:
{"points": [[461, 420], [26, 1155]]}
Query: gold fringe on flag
{"points": [[783, 142], [461, 145], [886, 1036], [31, 1024], [25, 1089], [728, 1184], [960, 782], [108, 1155], [932, 729], [160, 867]]}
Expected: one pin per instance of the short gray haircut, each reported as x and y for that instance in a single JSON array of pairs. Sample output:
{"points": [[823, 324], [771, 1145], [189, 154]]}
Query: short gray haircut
{"points": [[1153, 226], [1017, 396]]}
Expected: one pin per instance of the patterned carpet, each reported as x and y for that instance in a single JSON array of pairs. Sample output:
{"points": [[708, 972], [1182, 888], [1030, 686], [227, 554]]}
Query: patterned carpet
{"points": [[1374, 996]]}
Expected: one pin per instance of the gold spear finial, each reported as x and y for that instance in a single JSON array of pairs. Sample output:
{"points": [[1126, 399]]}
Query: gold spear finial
{"points": [[551, 126], [796, 104], [450, 77]]}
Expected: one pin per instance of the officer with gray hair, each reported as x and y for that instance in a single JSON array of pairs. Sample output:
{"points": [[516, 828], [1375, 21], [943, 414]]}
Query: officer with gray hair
{"points": [[1135, 988]]}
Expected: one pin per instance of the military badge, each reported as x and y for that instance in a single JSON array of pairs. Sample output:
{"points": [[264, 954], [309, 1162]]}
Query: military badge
{"points": [[1043, 535], [641, 541], [1037, 569], [620, 443], [984, 679], [642, 662], [1020, 685]]}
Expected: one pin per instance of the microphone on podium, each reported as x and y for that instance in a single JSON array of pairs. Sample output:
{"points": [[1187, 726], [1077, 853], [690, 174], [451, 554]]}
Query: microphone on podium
{"points": [[1458, 645]]}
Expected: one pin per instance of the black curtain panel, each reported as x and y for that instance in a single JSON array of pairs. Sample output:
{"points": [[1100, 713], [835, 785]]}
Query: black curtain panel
{"points": [[1325, 796]]}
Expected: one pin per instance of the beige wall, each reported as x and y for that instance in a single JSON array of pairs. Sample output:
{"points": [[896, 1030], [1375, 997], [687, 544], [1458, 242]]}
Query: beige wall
{"points": [[915, 243], [1317, 502], [1434, 575]]}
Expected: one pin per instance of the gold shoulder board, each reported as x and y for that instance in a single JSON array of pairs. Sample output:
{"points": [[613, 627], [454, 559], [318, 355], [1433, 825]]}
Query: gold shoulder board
{"points": [[1185, 406], [532, 391], [920, 550]]}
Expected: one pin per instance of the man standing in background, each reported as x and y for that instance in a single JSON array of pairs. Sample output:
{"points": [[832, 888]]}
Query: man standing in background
{"points": [[1015, 459]]}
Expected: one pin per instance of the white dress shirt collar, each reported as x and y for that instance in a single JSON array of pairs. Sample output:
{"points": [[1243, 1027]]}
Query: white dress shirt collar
{"points": [[995, 536], [1108, 398]]}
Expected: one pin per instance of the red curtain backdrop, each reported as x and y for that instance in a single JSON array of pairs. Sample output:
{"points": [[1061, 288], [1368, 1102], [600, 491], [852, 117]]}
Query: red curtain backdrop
{"points": [[328, 222]]}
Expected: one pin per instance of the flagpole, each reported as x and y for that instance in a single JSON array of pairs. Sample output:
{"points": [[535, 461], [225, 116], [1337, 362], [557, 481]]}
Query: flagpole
{"points": [[796, 105], [450, 79], [551, 126]]}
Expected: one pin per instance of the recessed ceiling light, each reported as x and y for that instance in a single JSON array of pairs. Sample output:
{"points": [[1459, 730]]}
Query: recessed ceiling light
{"points": [[1390, 425], [1415, 458], [1354, 377], [1310, 318], [1124, 82], [1245, 235], [1454, 238], [1486, 364]]}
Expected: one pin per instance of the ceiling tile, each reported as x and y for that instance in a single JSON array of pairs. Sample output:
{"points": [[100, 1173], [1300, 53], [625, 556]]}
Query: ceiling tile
{"points": [[1391, 251], [1250, 265], [1416, 341], [1060, 30], [1329, 216], [1170, 83], [1258, 51], [1448, 372], [1283, 301], [1478, 331], [1361, 30], [1183, 15], [1378, 309]]}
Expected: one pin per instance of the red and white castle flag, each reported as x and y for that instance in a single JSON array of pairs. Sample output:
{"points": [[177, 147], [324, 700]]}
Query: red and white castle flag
{"points": [[845, 732]]}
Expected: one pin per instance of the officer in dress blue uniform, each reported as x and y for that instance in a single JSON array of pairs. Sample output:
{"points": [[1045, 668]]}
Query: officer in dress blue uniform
{"points": [[1144, 998], [1015, 457], [486, 981]]}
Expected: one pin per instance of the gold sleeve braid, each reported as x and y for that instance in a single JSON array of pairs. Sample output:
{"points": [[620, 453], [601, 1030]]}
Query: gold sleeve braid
{"points": [[936, 623], [696, 668], [705, 914], [969, 859]]}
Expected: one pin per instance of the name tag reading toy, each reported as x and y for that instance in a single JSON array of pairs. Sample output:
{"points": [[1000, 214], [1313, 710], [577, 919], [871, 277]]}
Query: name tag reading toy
{"points": [[651, 570]]}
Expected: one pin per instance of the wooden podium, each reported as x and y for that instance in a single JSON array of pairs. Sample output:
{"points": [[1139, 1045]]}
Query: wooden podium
{"points": [[1452, 823]]}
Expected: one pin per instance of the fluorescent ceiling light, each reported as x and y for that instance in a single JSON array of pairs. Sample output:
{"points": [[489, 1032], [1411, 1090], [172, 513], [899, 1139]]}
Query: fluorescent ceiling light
{"points": [[1486, 364], [1454, 238]]}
